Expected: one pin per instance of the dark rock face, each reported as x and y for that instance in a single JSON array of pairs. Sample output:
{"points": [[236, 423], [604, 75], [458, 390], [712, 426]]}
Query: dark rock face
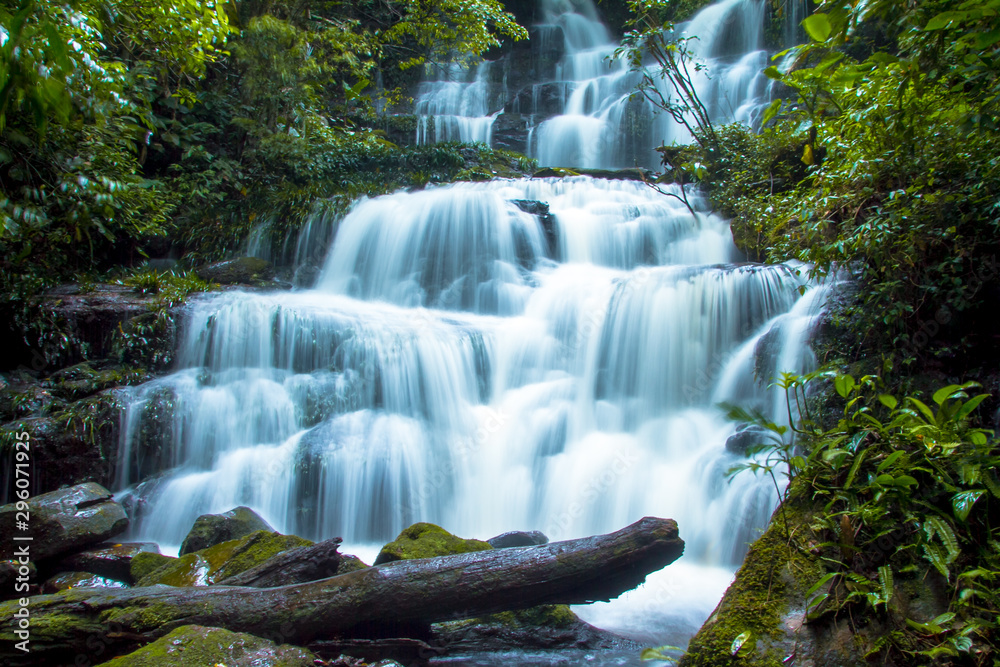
{"points": [[746, 436], [518, 538], [510, 132], [10, 587], [65, 520], [240, 271], [540, 210], [113, 561], [542, 627], [192, 645], [212, 529]]}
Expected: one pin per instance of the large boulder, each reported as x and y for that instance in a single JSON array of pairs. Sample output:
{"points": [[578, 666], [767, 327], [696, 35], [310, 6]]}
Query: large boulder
{"points": [[62, 521], [212, 529], [425, 540], [198, 646], [239, 271], [216, 563], [110, 560]]}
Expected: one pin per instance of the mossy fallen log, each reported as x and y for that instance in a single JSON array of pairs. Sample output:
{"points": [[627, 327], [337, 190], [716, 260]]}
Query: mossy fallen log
{"points": [[92, 625]]}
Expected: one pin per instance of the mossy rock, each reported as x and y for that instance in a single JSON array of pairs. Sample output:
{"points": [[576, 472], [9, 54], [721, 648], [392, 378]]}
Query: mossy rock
{"points": [[425, 540], [205, 567], [546, 616], [147, 562], [199, 646], [212, 529], [350, 563]]}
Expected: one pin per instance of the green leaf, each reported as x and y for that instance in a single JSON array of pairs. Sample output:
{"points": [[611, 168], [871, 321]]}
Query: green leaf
{"points": [[740, 642], [818, 27], [969, 406], [961, 503], [660, 653], [888, 401], [885, 583], [944, 393], [842, 383]]}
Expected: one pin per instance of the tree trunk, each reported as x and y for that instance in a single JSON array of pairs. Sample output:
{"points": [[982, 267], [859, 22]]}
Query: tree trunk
{"points": [[89, 626]]}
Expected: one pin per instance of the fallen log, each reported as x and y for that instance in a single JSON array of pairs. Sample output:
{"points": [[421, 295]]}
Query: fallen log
{"points": [[88, 626]]}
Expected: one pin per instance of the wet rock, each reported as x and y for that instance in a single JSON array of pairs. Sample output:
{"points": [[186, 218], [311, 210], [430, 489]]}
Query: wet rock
{"points": [[746, 437], [10, 586], [425, 540], [240, 271], [212, 529], [92, 318], [518, 538], [382, 652], [221, 561], [83, 379], [199, 646], [510, 132], [295, 566], [542, 627], [111, 560], [67, 580], [540, 210], [65, 520]]}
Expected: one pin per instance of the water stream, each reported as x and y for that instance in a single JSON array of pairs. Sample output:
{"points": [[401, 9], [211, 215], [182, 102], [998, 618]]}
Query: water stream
{"points": [[464, 361]]}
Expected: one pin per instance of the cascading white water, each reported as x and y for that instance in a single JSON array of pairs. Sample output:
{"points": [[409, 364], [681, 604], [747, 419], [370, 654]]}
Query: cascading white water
{"points": [[466, 363], [470, 360], [598, 120]]}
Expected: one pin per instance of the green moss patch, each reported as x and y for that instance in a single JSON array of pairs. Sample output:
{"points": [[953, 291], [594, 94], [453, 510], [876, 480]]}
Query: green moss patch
{"points": [[425, 540], [198, 646], [205, 567]]}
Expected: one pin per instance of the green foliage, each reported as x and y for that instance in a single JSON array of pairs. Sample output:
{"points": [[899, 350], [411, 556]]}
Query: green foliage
{"points": [[905, 486], [899, 137]]}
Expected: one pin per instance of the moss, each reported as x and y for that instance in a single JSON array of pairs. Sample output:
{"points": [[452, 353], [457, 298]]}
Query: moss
{"points": [[349, 563], [547, 615], [202, 568], [147, 562], [771, 582], [197, 646], [425, 540]]}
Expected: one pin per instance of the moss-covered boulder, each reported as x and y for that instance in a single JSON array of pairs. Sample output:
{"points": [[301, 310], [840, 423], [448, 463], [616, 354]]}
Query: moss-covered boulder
{"points": [[239, 271], [208, 566], [145, 563], [212, 529], [199, 646], [425, 540]]}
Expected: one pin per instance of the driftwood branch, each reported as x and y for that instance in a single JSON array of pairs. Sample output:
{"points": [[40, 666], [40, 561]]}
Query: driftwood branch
{"points": [[91, 625]]}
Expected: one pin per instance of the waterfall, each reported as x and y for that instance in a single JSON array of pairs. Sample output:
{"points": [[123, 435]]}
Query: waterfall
{"points": [[583, 112], [534, 354]]}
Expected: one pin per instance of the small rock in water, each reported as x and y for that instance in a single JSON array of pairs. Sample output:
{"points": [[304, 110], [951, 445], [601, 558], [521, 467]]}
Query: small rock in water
{"points": [[518, 538]]}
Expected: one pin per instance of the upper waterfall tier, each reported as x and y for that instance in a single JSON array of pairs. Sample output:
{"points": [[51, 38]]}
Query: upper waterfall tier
{"points": [[568, 102]]}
